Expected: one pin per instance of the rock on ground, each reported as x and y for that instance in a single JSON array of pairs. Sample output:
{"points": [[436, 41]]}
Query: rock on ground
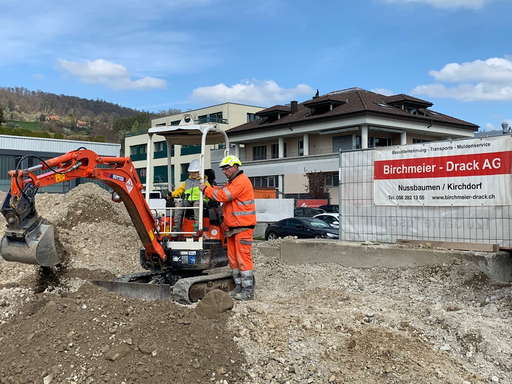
{"points": [[320, 323]]}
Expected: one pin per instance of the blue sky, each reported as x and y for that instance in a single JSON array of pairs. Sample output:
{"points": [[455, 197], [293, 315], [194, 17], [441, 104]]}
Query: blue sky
{"points": [[158, 54]]}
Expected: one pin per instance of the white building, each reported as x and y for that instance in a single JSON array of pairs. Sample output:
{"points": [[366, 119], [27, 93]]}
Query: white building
{"points": [[227, 115], [290, 140]]}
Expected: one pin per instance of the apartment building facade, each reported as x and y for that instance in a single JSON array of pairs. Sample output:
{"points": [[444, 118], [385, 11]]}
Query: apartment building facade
{"points": [[288, 141], [227, 115]]}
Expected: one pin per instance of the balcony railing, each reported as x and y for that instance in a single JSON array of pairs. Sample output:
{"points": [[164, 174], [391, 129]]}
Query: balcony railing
{"points": [[288, 154], [211, 120]]}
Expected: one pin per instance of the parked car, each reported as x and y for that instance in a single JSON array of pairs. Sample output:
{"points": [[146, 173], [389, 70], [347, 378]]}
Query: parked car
{"points": [[330, 208], [330, 218], [302, 227], [307, 212]]}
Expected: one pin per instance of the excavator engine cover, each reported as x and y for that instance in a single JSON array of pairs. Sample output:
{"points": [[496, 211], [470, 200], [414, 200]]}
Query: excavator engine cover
{"points": [[36, 246]]}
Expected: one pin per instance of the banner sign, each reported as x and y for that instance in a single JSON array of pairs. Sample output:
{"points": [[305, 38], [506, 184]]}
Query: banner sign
{"points": [[313, 203], [460, 173]]}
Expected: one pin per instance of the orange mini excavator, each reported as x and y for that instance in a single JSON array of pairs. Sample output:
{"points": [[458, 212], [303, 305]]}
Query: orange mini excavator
{"points": [[178, 264]]}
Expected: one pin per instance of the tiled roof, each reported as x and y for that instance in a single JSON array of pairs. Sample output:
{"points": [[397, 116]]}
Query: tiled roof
{"points": [[395, 99], [273, 110], [350, 102], [325, 99]]}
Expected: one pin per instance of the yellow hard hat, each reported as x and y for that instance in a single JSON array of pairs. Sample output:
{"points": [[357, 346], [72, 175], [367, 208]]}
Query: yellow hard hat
{"points": [[229, 160]]}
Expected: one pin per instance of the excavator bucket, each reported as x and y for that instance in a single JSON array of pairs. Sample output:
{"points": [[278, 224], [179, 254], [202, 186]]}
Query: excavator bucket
{"points": [[34, 247]]}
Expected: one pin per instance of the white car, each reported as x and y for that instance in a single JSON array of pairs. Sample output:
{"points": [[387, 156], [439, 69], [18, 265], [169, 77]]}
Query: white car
{"points": [[329, 218]]}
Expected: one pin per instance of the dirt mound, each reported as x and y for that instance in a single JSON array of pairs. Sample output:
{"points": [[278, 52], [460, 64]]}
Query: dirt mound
{"points": [[91, 231], [94, 336]]}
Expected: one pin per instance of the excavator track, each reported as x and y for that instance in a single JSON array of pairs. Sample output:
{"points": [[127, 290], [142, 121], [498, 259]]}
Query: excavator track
{"points": [[147, 286], [191, 289]]}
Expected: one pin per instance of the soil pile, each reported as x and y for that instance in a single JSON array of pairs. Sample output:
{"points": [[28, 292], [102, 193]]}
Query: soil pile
{"points": [[320, 323]]}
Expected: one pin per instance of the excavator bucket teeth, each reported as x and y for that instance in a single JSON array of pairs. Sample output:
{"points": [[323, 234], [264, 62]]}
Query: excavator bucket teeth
{"points": [[36, 247], [141, 291]]}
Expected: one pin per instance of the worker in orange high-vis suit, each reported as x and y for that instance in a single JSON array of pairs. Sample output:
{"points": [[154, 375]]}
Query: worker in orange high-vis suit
{"points": [[239, 211]]}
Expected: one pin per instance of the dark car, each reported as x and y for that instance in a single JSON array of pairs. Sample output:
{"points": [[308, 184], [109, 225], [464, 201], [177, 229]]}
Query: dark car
{"points": [[331, 208], [302, 227], [307, 212]]}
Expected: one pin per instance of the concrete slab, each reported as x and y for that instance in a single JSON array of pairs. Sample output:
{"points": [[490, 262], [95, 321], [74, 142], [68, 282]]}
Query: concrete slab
{"points": [[498, 265]]}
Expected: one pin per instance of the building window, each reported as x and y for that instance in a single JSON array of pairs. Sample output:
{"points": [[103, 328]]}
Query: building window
{"points": [[141, 172], [265, 181], [274, 148], [341, 142], [216, 117], [160, 146], [211, 118], [259, 153], [160, 150], [419, 141], [138, 152], [175, 122], [331, 179], [160, 175], [190, 149], [379, 141], [252, 117], [375, 142], [301, 148], [184, 172]]}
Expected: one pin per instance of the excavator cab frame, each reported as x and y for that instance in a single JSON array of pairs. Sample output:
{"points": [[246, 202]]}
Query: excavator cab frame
{"points": [[186, 133]]}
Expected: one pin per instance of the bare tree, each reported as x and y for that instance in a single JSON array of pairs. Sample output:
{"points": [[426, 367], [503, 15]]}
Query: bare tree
{"points": [[316, 184]]}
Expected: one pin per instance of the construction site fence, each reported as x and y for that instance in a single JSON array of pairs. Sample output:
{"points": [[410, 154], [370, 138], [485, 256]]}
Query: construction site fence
{"points": [[362, 220]]}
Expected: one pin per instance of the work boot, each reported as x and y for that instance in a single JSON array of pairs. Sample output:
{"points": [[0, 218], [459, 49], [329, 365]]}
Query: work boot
{"points": [[247, 292], [237, 277]]}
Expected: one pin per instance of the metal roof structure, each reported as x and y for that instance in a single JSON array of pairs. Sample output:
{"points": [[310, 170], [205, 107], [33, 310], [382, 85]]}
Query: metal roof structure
{"points": [[36, 144]]}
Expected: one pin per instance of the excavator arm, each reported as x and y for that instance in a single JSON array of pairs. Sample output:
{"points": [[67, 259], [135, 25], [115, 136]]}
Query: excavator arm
{"points": [[30, 239]]}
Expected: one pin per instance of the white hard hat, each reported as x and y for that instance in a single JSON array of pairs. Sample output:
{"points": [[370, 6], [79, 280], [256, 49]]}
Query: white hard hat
{"points": [[193, 166]]}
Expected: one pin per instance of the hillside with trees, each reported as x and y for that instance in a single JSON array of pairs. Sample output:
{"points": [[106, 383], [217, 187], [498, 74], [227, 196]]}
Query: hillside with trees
{"points": [[41, 114]]}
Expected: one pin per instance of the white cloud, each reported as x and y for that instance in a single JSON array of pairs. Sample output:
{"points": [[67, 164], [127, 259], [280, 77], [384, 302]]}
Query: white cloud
{"points": [[491, 70], [383, 91], [114, 76], [489, 80], [449, 4], [93, 71], [256, 92]]}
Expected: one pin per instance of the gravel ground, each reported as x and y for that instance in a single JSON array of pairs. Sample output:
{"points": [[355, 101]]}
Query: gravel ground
{"points": [[321, 323]]}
